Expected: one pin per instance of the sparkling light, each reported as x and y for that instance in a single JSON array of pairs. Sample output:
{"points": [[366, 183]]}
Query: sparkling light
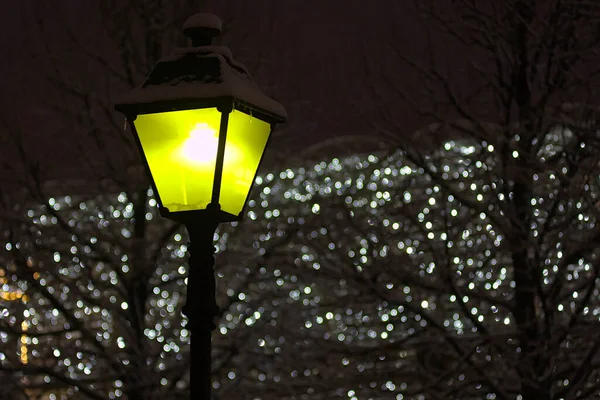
{"points": [[337, 261]]}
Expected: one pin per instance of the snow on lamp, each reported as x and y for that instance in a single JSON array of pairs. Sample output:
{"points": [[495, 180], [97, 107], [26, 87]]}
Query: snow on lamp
{"points": [[202, 126]]}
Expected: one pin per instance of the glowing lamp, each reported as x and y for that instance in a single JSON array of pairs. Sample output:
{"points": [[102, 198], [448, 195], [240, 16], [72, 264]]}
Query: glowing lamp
{"points": [[202, 126]]}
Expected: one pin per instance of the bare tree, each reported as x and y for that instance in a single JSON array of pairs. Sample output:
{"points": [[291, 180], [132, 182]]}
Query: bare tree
{"points": [[102, 278], [394, 286], [95, 284], [513, 235]]}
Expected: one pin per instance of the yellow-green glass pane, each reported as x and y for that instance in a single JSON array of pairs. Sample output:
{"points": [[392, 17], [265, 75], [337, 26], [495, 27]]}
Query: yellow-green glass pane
{"points": [[181, 150], [246, 140]]}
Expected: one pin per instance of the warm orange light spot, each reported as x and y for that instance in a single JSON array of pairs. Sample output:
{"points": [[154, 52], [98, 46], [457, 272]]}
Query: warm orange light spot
{"points": [[12, 296], [24, 356]]}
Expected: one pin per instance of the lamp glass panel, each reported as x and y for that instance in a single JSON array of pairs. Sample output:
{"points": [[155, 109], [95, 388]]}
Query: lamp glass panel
{"points": [[181, 150], [246, 140]]}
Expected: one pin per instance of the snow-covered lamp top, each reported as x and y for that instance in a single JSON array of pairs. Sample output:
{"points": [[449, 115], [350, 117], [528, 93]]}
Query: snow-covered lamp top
{"points": [[200, 76]]}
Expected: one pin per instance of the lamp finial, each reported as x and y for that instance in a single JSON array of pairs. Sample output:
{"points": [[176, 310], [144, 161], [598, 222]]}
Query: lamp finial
{"points": [[202, 29]]}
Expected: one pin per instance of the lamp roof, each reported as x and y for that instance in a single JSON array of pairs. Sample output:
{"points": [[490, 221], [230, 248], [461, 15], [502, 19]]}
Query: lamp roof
{"points": [[197, 76]]}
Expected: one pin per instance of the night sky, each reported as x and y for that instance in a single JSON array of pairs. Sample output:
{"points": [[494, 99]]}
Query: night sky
{"points": [[325, 63]]}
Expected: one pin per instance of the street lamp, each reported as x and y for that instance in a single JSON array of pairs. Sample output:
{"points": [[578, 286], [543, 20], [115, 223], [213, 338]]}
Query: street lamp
{"points": [[202, 126]]}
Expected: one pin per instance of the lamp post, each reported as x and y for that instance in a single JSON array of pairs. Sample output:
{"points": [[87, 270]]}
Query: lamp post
{"points": [[202, 126]]}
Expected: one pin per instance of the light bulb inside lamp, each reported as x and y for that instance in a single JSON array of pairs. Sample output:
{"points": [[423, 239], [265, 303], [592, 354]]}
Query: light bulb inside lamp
{"points": [[202, 144]]}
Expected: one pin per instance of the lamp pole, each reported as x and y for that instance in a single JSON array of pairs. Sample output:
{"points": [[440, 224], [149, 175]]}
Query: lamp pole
{"points": [[201, 307]]}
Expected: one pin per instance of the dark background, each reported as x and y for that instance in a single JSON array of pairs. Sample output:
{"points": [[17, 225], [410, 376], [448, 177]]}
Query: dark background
{"points": [[330, 63]]}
